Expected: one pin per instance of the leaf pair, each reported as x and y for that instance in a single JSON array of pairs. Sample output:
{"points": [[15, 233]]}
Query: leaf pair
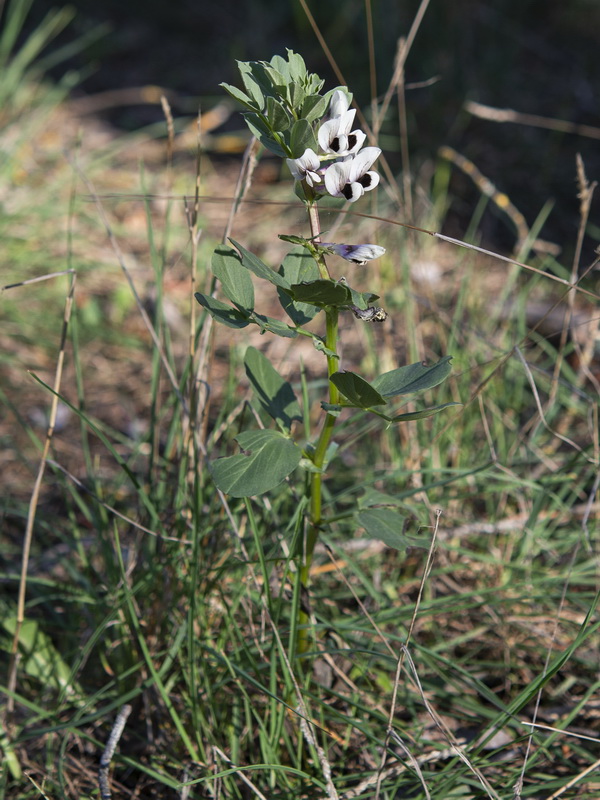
{"points": [[300, 290], [233, 271], [359, 393]]}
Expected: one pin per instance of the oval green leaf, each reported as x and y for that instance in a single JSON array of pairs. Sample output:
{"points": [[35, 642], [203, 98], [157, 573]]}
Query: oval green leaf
{"points": [[388, 526], [238, 95], [426, 412], [273, 326], [268, 457], [221, 312], [275, 394], [235, 280], [303, 137], [321, 293], [258, 267], [357, 390], [412, 378], [296, 267]]}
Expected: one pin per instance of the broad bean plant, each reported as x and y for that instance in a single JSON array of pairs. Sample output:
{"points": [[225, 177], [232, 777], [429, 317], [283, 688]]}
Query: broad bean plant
{"points": [[326, 156]]}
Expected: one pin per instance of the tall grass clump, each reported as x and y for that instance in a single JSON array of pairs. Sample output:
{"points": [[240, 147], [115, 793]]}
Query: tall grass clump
{"points": [[245, 566]]}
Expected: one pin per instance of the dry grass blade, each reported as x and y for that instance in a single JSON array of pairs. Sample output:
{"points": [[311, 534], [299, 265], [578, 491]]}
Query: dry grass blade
{"points": [[586, 192], [456, 748], [508, 260], [508, 115], [403, 123], [390, 733], [563, 731], [574, 781], [413, 761], [402, 56], [170, 136], [33, 503], [541, 412], [38, 279]]}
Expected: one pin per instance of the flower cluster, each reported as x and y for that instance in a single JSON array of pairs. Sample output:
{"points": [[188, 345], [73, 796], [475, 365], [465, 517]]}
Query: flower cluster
{"points": [[350, 174], [325, 152]]}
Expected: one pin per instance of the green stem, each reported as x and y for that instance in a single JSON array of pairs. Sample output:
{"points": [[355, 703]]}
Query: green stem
{"points": [[322, 445], [320, 453]]}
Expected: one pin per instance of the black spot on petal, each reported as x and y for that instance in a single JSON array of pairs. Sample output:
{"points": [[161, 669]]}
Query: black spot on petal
{"points": [[365, 180]]}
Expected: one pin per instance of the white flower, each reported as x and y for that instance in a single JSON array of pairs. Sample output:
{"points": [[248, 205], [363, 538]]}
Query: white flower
{"points": [[339, 104], [351, 178], [305, 167], [334, 135], [356, 253]]}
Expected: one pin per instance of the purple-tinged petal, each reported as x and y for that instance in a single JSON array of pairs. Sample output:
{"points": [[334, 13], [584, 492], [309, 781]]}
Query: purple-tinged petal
{"points": [[356, 253], [305, 167]]}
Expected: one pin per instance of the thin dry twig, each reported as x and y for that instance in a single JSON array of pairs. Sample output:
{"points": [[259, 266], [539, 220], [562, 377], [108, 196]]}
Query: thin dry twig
{"points": [[382, 772], [508, 115], [569, 785], [414, 763], [564, 731], [454, 744], [586, 192], [388, 221], [372, 62], [401, 60], [109, 750], [38, 279], [33, 503], [541, 413], [403, 124]]}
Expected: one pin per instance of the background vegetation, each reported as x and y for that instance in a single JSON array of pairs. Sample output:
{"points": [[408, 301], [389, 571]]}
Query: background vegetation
{"points": [[143, 587]]}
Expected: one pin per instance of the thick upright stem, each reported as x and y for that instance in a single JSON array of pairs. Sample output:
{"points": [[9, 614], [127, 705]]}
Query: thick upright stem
{"points": [[320, 453], [321, 447]]}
